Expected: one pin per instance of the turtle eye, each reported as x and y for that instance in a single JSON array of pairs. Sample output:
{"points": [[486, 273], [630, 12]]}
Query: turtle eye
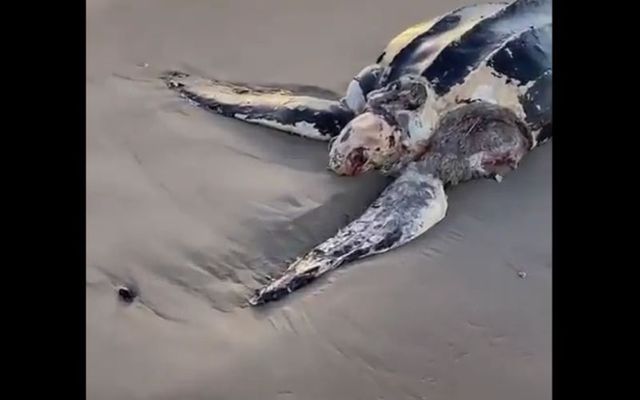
{"points": [[417, 95]]}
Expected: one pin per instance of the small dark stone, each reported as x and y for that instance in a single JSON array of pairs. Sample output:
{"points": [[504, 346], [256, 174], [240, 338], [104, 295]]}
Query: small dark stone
{"points": [[126, 294]]}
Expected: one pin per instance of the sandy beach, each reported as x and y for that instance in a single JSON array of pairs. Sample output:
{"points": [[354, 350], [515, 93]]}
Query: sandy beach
{"points": [[193, 211]]}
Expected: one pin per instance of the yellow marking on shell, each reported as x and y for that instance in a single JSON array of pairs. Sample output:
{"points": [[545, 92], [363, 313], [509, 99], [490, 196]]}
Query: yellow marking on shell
{"points": [[443, 40], [402, 40], [469, 17]]}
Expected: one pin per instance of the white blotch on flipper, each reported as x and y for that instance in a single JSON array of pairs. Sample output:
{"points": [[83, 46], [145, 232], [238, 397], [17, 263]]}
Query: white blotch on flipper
{"points": [[430, 216], [302, 128]]}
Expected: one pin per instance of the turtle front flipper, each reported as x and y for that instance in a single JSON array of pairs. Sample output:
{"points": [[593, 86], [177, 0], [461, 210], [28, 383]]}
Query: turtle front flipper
{"points": [[302, 110], [408, 207]]}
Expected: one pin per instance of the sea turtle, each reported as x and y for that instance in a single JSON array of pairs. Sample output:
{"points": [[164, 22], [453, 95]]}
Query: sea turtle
{"points": [[463, 96]]}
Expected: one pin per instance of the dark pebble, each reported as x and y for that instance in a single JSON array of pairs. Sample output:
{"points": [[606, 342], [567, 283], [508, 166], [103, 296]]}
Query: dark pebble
{"points": [[126, 294]]}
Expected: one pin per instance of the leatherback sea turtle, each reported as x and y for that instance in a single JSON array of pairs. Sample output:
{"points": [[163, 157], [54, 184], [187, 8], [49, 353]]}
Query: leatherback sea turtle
{"points": [[463, 96]]}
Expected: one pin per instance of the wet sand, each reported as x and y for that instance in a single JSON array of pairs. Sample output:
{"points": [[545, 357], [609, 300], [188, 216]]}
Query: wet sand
{"points": [[194, 210]]}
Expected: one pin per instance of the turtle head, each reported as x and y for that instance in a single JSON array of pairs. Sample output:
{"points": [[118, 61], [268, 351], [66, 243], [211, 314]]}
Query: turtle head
{"points": [[381, 137], [368, 142]]}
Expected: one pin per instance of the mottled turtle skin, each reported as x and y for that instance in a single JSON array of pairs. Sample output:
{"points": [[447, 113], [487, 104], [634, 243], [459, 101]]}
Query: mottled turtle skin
{"points": [[466, 95]]}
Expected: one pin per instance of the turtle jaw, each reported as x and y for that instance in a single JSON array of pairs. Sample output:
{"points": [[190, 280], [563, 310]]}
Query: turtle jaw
{"points": [[355, 163]]}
